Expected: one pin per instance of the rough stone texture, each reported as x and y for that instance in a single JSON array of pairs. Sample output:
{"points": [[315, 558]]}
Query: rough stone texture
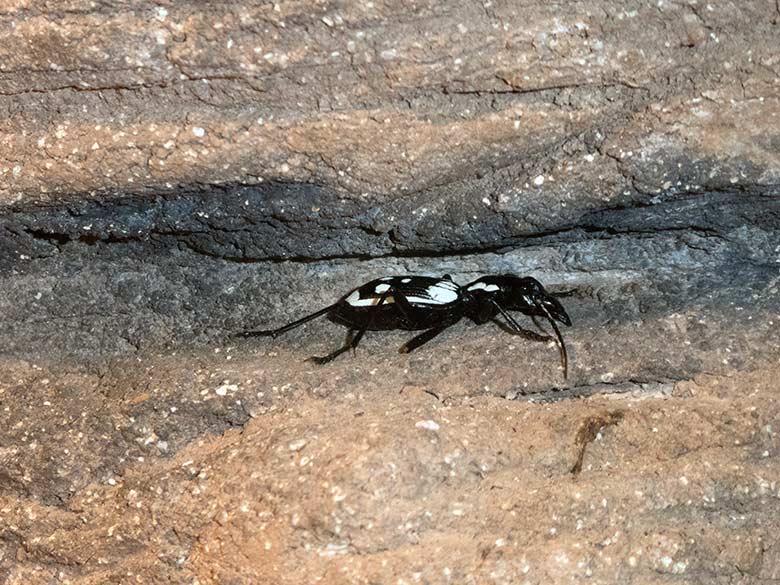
{"points": [[364, 477], [172, 173]]}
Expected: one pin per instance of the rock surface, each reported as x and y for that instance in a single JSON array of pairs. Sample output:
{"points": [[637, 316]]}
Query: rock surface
{"points": [[204, 469], [172, 173]]}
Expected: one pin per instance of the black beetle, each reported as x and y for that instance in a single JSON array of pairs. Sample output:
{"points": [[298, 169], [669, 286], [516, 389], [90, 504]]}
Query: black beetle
{"points": [[433, 304]]}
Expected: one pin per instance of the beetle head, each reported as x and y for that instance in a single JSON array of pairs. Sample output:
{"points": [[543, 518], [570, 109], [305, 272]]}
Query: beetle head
{"points": [[548, 303], [529, 296], [524, 294]]}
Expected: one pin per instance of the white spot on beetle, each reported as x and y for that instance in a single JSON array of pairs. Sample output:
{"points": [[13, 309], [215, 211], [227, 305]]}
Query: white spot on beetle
{"points": [[370, 302], [353, 297], [441, 293], [382, 288], [406, 280], [484, 286], [354, 300]]}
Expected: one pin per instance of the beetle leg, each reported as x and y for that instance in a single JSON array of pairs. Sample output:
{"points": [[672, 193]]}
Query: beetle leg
{"points": [[404, 306], [352, 341], [527, 333], [561, 344], [420, 339], [277, 332], [515, 327]]}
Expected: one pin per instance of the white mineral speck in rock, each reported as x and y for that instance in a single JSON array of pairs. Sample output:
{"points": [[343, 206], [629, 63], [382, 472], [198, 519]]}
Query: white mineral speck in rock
{"points": [[539, 180], [225, 388], [450, 457], [388, 54], [334, 548], [199, 132], [607, 377], [161, 14], [297, 445], [427, 425]]}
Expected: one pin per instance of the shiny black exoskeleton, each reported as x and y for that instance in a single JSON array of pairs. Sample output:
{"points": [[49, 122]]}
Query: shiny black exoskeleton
{"points": [[433, 304]]}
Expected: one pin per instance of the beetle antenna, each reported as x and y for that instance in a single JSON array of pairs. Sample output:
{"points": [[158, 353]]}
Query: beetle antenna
{"points": [[276, 332], [561, 344]]}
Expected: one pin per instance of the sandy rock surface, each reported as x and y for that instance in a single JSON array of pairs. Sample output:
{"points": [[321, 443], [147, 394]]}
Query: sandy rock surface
{"points": [[203, 471]]}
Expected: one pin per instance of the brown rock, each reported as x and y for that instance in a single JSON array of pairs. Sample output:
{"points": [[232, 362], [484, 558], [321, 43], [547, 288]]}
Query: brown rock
{"points": [[174, 173]]}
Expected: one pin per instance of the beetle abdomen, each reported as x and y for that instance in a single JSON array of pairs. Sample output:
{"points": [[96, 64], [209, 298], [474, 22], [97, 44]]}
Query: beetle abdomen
{"points": [[407, 302]]}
